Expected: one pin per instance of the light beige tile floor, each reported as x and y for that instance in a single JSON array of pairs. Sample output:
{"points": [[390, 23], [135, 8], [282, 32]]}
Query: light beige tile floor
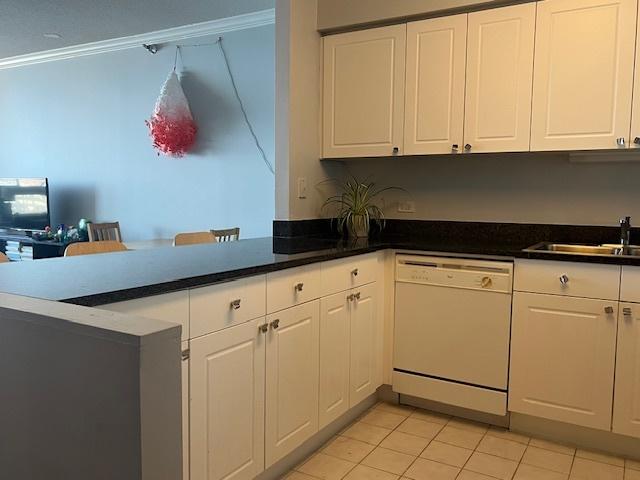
{"points": [[391, 442]]}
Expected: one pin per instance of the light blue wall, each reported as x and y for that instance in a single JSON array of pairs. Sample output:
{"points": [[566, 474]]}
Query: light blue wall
{"points": [[80, 122]]}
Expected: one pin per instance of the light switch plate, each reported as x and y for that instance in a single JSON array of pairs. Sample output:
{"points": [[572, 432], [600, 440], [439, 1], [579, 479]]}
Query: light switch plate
{"points": [[302, 187]]}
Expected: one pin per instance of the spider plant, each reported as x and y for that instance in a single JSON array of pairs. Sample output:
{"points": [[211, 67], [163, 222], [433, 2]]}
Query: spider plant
{"points": [[356, 209]]}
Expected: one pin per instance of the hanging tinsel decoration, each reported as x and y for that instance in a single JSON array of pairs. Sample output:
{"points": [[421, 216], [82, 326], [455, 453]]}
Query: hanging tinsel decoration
{"points": [[171, 126]]}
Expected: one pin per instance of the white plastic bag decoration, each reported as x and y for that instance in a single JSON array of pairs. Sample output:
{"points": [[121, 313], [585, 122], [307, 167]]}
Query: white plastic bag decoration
{"points": [[171, 126]]}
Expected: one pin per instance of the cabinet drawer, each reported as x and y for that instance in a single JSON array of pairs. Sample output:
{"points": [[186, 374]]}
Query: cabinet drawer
{"points": [[346, 273], [293, 286], [169, 307], [224, 305], [630, 286], [567, 278]]}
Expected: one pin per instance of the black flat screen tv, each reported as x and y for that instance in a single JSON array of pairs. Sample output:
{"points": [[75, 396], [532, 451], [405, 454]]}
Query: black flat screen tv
{"points": [[24, 203]]}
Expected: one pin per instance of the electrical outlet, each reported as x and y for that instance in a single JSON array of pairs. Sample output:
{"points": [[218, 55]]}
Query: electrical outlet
{"points": [[302, 187], [408, 206]]}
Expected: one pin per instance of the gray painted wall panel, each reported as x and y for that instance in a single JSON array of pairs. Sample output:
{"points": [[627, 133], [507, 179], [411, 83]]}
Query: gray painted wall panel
{"points": [[80, 122]]}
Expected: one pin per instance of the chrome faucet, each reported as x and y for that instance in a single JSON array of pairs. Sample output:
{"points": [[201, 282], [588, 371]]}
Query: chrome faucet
{"points": [[625, 231]]}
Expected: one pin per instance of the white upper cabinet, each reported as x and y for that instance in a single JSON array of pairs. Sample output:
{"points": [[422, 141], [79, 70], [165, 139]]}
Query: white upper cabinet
{"points": [[634, 138], [500, 47], [434, 107], [363, 104], [563, 355], [626, 409], [583, 79]]}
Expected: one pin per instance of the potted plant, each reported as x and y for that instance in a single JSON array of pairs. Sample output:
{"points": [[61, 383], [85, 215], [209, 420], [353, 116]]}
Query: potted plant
{"points": [[356, 210]]}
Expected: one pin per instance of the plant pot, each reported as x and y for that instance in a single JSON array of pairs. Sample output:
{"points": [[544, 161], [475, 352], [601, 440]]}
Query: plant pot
{"points": [[359, 227]]}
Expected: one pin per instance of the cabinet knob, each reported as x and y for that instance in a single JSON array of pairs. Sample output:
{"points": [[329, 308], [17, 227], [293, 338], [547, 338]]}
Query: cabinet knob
{"points": [[354, 272], [455, 147], [608, 310], [275, 324], [486, 282], [350, 297], [621, 142], [298, 287], [263, 328], [636, 140], [356, 296], [185, 354], [235, 304], [467, 147], [564, 280], [396, 150], [627, 311]]}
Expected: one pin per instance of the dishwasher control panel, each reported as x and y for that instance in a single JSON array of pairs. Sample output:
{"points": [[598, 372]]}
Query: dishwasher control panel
{"points": [[454, 272]]}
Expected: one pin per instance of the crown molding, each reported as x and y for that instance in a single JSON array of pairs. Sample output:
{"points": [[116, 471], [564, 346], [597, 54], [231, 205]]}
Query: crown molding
{"points": [[212, 27]]}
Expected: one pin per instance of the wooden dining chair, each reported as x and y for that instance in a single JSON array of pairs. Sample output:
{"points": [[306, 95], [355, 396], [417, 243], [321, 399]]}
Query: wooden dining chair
{"points": [[193, 238], [89, 248], [4, 258], [99, 232], [227, 235]]}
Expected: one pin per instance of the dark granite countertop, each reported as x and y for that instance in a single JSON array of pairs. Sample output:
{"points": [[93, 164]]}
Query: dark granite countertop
{"points": [[95, 280]]}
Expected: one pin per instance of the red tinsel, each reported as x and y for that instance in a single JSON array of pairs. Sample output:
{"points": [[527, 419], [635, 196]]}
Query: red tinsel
{"points": [[172, 136], [171, 126]]}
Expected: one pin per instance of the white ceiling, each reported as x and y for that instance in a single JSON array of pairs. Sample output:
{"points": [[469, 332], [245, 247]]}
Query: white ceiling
{"points": [[23, 22]]}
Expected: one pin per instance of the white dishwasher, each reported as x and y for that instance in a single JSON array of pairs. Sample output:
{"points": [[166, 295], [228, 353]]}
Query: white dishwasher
{"points": [[452, 331]]}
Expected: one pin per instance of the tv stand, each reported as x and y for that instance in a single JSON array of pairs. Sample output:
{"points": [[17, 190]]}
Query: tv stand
{"points": [[20, 246]]}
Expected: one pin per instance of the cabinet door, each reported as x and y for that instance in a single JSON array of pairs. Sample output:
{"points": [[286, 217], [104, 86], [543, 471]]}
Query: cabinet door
{"points": [[635, 113], [626, 409], [434, 107], [562, 358], [583, 75], [185, 410], [227, 403], [292, 379], [499, 77], [334, 357], [364, 361], [363, 104]]}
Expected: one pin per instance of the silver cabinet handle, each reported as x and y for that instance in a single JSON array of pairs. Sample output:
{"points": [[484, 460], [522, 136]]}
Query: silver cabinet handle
{"points": [[455, 147], [351, 297], [354, 272], [298, 287], [636, 140], [608, 310], [356, 296], [627, 311], [235, 304], [468, 147], [275, 324], [621, 142], [263, 328], [185, 354], [396, 150], [564, 280]]}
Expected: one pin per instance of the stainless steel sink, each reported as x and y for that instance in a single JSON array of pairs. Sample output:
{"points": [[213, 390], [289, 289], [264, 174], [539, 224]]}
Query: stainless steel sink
{"points": [[579, 249]]}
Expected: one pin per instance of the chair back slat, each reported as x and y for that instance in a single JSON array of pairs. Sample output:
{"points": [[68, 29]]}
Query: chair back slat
{"points": [[101, 232], [89, 248], [193, 238], [227, 234]]}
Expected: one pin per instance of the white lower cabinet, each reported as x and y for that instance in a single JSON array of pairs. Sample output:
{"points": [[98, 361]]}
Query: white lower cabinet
{"points": [[292, 366], [227, 373], [626, 409], [364, 353], [185, 411], [563, 354], [335, 332]]}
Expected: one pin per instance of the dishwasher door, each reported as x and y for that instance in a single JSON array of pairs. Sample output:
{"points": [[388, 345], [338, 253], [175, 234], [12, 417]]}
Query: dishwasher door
{"points": [[453, 334]]}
